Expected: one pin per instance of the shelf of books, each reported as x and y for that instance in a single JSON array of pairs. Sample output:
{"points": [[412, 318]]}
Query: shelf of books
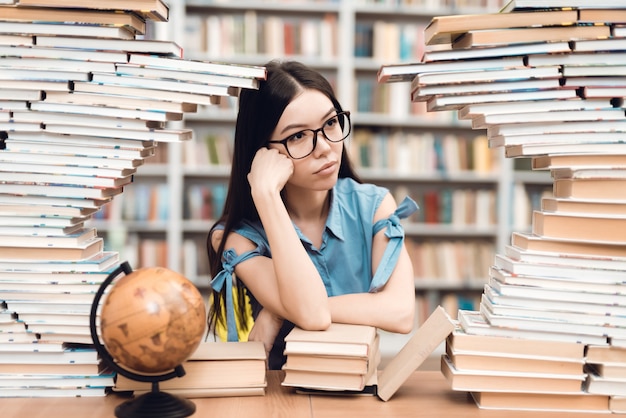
{"points": [[433, 156]]}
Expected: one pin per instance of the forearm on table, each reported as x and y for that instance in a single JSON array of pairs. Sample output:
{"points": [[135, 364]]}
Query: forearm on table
{"points": [[394, 314]]}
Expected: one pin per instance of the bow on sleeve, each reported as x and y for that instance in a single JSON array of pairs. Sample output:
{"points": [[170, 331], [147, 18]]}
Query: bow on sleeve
{"points": [[395, 233], [225, 278]]}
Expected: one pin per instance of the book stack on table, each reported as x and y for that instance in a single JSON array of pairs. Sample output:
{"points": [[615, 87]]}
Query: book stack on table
{"points": [[514, 373], [552, 90], [85, 97], [215, 369], [342, 358]]}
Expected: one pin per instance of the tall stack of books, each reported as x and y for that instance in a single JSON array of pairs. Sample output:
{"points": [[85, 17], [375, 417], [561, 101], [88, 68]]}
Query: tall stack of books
{"points": [[546, 80], [85, 97]]}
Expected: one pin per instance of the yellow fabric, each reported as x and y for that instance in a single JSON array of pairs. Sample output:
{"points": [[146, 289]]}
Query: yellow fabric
{"points": [[221, 329]]}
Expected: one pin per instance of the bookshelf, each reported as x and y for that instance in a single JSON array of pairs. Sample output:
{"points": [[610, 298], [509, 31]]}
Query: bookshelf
{"points": [[434, 156]]}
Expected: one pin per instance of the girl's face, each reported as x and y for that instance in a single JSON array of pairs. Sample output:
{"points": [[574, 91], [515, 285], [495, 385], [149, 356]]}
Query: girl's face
{"points": [[311, 109]]}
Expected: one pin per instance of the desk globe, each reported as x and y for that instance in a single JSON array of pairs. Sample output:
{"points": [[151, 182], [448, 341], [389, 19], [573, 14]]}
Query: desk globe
{"points": [[151, 321]]}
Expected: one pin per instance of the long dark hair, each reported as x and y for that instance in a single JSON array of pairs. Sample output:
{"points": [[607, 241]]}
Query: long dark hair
{"points": [[259, 113]]}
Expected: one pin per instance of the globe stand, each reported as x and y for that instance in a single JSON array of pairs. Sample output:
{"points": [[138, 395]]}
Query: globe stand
{"points": [[153, 404], [156, 404]]}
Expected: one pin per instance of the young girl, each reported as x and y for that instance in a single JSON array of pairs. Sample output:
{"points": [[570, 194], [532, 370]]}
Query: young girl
{"points": [[308, 243]]}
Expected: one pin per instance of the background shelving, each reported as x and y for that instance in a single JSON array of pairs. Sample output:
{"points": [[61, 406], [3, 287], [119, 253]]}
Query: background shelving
{"points": [[435, 160]]}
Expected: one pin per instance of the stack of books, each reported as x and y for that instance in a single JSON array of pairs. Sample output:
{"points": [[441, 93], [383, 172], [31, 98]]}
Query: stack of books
{"points": [[514, 373], [606, 366], [343, 358], [550, 90], [215, 369], [85, 97]]}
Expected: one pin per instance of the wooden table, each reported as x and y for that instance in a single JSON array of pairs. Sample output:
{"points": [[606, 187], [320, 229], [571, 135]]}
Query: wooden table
{"points": [[425, 394]]}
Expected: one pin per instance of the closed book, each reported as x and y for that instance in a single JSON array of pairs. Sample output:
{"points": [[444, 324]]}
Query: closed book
{"points": [[443, 29], [63, 29], [462, 341], [583, 206], [605, 354], [542, 402], [328, 381], [215, 367], [606, 229], [236, 70], [56, 382], [528, 241], [69, 356], [522, 5], [406, 72], [609, 370], [569, 272], [52, 190], [350, 365], [559, 259], [473, 322], [157, 10], [422, 343], [76, 252], [491, 381], [537, 149], [605, 385], [95, 17], [103, 261], [337, 340], [567, 298], [468, 360], [553, 161], [320, 375], [510, 36], [600, 188], [546, 283], [125, 100], [144, 46], [551, 325]]}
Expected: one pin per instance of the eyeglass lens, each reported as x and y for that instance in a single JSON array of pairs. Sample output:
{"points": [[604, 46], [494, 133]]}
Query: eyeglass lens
{"points": [[303, 143]]}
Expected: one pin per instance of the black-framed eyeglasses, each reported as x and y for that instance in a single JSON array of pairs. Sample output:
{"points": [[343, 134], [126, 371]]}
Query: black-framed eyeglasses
{"points": [[302, 143]]}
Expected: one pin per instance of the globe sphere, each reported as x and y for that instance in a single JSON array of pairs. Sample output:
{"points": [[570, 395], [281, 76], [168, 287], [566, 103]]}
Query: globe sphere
{"points": [[152, 320]]}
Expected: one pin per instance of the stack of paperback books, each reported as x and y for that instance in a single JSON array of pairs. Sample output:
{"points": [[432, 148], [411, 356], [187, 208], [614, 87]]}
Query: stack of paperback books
{"points": [[343, 358], [85, 98], [545, 86], [216, 369]]}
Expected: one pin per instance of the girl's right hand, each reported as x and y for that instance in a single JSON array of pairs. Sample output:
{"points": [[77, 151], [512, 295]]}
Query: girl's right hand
{"points": [[265, 329], [270, 171]]}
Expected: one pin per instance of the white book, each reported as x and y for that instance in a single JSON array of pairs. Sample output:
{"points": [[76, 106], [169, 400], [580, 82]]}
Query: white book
{"points": [[67, 29], [568, 299], [161, 84], [473, 322], [105, 261], [540, 324], [501, 306], [475, 110], [580, 273]]}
